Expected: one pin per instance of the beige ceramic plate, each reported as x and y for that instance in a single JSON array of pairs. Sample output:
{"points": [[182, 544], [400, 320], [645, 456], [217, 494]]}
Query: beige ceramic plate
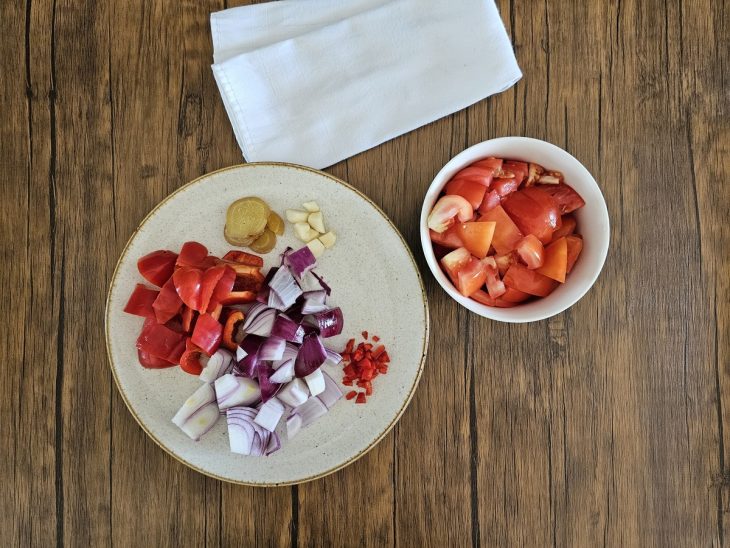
{"points": [[374, 280]]}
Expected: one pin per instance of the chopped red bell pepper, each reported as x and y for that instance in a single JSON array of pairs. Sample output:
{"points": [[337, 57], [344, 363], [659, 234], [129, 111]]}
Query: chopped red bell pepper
{"points": [[238, 297], [242, 257], [167, 304], [188, 317], [223, 287], [157, 267], [207, 334], [140, 302], [151, 362], [351, 394], [188, 282], [160, 341], [360, 398], [229, 330], [192, 254], [190, 360], [208, 284]]}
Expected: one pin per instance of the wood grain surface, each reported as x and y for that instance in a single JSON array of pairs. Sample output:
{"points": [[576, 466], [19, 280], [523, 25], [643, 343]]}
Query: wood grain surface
{"points": [[606, 425]]}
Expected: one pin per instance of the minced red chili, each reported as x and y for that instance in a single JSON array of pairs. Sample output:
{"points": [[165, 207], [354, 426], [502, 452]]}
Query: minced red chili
{"points": [[361, 364]]}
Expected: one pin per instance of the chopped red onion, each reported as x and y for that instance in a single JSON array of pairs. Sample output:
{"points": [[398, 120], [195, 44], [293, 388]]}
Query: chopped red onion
{"points": [[295, 393], [274, 444], [199, 423], [300, 261], [270, 414], [285, 287], [293, 425], [315, 382], [248, 367], [330, 322], [259, 321], [311, 355], [199, 399], [287, 329], [219, 364], [332, 357], [332, 392], [272, 349], [284, 373], [310, 411], [314, 301], [232, 391], [240, 353], [268, 388]]}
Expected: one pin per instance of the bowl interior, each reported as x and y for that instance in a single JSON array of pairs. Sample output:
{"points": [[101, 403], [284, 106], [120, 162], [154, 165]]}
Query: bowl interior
{"points": [[592, 219]]}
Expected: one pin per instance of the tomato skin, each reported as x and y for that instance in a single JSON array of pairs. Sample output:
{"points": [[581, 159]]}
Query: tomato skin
{"points": [[530, 216], [505, 186], [454, 262], [446, 210], [531, 251], [167, 304], [566, 228], [567, 198], [471, 277], [473, 191], [495, 286], [556, 260], [478, 174], [192, 254], [506, 233], [140, 301], [188, 283], [157, 267], [207, 334], [550, 206], [491, 200], [449, 239], [528, 281], [477, 237], [575, 246]]}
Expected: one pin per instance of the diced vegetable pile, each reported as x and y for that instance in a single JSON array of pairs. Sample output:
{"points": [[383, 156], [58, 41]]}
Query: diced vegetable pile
{"points": [[362, 364], [504, 232], [255, 342]]}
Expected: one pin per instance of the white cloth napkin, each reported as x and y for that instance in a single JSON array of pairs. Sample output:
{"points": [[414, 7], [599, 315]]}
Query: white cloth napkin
{"points": [[316, 81]]}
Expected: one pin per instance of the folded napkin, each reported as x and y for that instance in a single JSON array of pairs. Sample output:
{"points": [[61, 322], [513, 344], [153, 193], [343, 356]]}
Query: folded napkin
{"points": [[315, 81]]}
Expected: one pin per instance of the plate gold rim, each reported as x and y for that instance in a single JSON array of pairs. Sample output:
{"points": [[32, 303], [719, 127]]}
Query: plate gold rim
{"points": [[379, 437]]}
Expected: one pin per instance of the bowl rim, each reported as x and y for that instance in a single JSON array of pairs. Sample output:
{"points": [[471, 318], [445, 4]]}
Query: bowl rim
{"points": [[516, 314]]}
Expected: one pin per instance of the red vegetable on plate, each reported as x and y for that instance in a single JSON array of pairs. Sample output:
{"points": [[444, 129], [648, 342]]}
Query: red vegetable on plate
{"points": [[141, 300], [157, 267]]}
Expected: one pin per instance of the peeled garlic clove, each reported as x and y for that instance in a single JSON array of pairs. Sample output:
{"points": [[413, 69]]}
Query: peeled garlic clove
{"points": [[316, 221], [310, 206], [316, 247], [296, 216], [328, 239]]}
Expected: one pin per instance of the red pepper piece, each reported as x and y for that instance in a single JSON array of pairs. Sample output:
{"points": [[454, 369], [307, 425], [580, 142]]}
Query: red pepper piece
{"points": [[192, 254], [384, 358], [157, 267], [242, 257], [229, 330], [140, 301], [367, 374], [357, 356], [208, 283], [167, 304], [382, 368], [238, 297], [364, 335], [368, 388], [350, 371], [190, 360], [376, 338], [347, 382], [188, 283], [223, 288], [151, 362], [378, 351], [160, 341], [360, 398], [188, 316], [350, 346], [207, 334], [351, 394]]}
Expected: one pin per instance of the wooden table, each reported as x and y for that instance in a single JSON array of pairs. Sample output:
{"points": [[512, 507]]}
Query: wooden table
{"points": [[608, 424]]}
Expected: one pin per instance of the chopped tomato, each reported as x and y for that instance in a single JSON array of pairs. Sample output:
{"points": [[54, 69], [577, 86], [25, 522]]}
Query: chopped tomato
{"points": [[506, 233], [495, 286], [151, 362], [192, 254], [566, 197], [449, 239], [566, 228], [513, 295], [575, 246], [533, 174], [477, 174], [160, 341], [207, 334], [505, 261], [481, 296], [447, 210], [556, 260], [471, 277], [167, 304], [140, 301], [495, 164], [519, 169], [157, 267], [472, 190], [528, 281], [477, 237], [454, 262], [548, 203], [531, 251], [242, 257], [491, 200], [188, 282], [531, 216], [505, 186]]}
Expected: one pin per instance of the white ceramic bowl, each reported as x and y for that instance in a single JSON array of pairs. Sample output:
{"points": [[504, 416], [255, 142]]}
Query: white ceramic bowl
{"points": [[592, 219]]}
